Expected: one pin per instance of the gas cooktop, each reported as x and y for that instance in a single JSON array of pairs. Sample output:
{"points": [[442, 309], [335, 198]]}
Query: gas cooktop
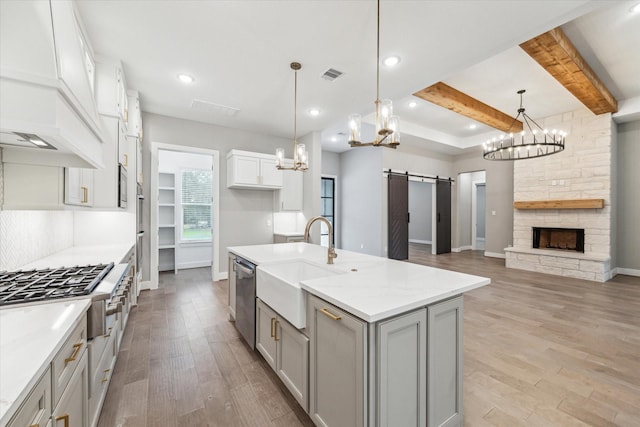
{"points": [[47, 284]]}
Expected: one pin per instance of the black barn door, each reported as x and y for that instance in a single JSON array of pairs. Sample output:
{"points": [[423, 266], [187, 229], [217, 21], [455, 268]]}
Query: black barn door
{"points": [[443, 209], [398, 216]]}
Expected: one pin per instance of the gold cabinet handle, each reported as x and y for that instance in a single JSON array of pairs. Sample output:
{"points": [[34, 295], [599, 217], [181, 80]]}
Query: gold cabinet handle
{"points": [[64, 417], [126, 160], [275, 332], [106, 377], [108, 334], [85, 194], [126, 115], [273, 322], [76, 350], [330, 315], [34, 425]]}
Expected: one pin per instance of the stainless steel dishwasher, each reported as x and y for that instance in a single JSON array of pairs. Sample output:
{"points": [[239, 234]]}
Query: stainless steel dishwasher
{"points": [[246, 300]]}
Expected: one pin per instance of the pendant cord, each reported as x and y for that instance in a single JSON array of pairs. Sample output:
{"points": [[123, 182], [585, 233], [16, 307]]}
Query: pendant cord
{"points": [[295, 113], [378, 55]]}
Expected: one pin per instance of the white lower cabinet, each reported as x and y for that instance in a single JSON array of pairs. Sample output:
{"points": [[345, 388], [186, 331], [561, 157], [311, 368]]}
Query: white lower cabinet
{"points": [[72, 409], [285, 349], [338, 365]]}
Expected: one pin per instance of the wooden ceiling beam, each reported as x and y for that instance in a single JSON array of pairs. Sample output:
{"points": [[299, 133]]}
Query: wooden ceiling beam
{"points": [[556, 54], [445, 96]]}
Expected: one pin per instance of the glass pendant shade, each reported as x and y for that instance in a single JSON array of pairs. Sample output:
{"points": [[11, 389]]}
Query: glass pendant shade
{"points": [[280, 156], [394, 126], [355, 127], [383, 114]]}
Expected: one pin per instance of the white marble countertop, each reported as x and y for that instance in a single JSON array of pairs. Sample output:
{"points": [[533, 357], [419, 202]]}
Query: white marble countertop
{"points": [[81, 255], [289, 233], [30, 336], [378, 288]]}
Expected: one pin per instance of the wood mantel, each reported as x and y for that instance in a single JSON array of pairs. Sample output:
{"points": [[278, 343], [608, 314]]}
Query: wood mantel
{"points": [[560, 204]]}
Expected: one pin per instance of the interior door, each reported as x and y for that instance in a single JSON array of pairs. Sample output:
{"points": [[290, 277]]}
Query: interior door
{"points": [[398, 216], [443, 220]]}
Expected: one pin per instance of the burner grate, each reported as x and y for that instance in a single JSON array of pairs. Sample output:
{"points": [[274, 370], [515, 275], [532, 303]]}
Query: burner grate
{"points": [[54, 283]]}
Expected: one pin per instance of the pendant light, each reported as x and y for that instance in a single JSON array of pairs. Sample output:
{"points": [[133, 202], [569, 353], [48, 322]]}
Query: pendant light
{"points": [[300, 157], [387, 125], [536, 142]]}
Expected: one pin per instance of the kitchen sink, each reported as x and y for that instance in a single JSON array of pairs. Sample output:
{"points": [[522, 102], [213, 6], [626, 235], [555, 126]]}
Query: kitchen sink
{"points": [[278, 285]]}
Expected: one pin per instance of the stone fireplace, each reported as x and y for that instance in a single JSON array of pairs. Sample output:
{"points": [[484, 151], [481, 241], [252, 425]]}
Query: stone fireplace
{"points": [[582, 171]]}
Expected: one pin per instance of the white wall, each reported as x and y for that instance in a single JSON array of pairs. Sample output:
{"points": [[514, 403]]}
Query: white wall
{"points": [[189, 254], [246, 216], [420, 211]]}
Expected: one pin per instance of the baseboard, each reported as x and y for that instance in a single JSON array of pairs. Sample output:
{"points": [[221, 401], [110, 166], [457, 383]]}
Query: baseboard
{"points": [[423, 242], [494, 255], [223, 275], [193, 264], [479, 239], [145, 285], [625, 271], [455, 250]]}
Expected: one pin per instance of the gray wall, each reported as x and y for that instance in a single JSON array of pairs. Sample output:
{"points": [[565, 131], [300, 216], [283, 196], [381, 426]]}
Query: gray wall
{"points": [[243, 213], [499, 179], [628, 191], [331, 166], [420, 211], [330, 163], [361, 201]]}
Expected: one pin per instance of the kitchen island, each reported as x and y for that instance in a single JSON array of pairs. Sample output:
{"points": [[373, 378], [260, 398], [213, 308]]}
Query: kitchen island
{"points": [[381, 342]]}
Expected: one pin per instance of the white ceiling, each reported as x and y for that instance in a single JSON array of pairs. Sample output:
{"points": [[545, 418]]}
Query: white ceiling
{"points": [[239, 53]]}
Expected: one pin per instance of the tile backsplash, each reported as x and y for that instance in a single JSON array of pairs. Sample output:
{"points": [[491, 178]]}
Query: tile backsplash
{"points": [[26, 236]]}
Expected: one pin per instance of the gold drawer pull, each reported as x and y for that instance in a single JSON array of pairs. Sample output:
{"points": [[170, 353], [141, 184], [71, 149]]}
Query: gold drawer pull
{"points": [[330, 315], [273, 321], [106, 377], [85, 195], [126, 160], [34, 425], [76, 350], [64, 417], [275, 332]]}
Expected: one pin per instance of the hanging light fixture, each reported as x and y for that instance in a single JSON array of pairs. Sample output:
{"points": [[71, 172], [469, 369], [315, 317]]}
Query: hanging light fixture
{"points": [[387, 125], [527, 144], [300, 157]]}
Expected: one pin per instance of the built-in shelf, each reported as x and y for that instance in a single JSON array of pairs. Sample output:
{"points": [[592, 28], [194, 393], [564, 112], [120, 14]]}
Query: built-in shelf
{"points": [[166, 246], [166, 204], [166, 225], [167, 222], [560, 204], [166, 188]]}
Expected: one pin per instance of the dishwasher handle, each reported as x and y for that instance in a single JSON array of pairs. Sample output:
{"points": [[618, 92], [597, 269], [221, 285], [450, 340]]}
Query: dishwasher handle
{"points": [[243, 269]]}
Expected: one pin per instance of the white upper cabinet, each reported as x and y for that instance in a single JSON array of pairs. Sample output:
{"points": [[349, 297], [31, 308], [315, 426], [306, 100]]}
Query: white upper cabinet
{"points": [[111, 90], [252, 171], [290, 197], [46, 86], [134, 125]]}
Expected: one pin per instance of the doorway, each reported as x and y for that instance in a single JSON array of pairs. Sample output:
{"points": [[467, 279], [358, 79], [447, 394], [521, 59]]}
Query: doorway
{"points": [[184, 210], [421, 206], [478, 215]]}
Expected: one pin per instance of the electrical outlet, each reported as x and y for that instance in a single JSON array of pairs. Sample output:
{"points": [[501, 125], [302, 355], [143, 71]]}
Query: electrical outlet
{"points": [[493, 213], [361, 245], [268, 223]]}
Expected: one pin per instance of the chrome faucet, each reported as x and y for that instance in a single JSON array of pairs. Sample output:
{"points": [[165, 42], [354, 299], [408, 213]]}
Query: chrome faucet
{"points": [[331, 253]]}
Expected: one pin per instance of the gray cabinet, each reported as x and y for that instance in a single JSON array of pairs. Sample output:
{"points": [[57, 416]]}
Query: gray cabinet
{"points": [[285, 349], [444, 389], [402, 370], [72, 409], [338, 365]]}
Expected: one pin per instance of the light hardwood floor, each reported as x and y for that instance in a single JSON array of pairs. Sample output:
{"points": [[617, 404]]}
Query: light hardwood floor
{"points": [[540, 350]]}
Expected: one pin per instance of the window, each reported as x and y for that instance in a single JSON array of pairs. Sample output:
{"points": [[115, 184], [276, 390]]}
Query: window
{"points": [[328, 210], [196, 205]]}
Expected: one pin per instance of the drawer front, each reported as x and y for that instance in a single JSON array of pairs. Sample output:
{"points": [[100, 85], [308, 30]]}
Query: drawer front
{"points": [[96, 348], [65, 362], [36, 409], [99, 377]]}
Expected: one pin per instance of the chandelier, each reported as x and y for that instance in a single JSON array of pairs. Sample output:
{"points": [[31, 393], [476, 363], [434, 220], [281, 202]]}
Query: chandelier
{"points": [[387, 125], [300, 158], [527, 144]]}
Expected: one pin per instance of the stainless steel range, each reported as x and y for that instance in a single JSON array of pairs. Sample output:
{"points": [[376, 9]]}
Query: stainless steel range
{"points": [[107, 285]]}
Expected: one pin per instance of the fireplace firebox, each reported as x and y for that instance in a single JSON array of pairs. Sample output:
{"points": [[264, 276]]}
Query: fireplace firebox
{"points": [[565, 239]]}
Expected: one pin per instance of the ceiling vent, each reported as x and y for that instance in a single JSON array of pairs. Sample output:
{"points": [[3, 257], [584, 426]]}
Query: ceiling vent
{"points": [[331, 74], [210, 107]]}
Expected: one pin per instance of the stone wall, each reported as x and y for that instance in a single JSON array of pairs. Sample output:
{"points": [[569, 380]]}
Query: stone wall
{"points": [[581, 171]]}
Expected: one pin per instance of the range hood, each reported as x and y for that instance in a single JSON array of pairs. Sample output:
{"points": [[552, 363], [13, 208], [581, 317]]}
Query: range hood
{"points": [[45, 94]]}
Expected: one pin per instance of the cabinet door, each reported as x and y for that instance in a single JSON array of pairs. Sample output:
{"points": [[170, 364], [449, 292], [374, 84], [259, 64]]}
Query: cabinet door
{"points": [[123, 145], [338, 365], [246, 170], [270, 175], [78, 186], [402, 370], [291, 193], [266, 333], [72, 409], [36, 409], [232, 287], [444, 377], [292, 364]]}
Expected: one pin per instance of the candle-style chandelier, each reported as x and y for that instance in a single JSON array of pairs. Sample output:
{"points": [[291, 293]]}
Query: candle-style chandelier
{"points": [[387, 125], [300, 157], [527, 144]]}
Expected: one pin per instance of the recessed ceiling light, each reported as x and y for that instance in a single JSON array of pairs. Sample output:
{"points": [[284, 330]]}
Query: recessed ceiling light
{"points": [[334, 138], [314, 112], [635, 8], [38, 142], [391, 61], [186, 78], [413, 104], [473, 126]]}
